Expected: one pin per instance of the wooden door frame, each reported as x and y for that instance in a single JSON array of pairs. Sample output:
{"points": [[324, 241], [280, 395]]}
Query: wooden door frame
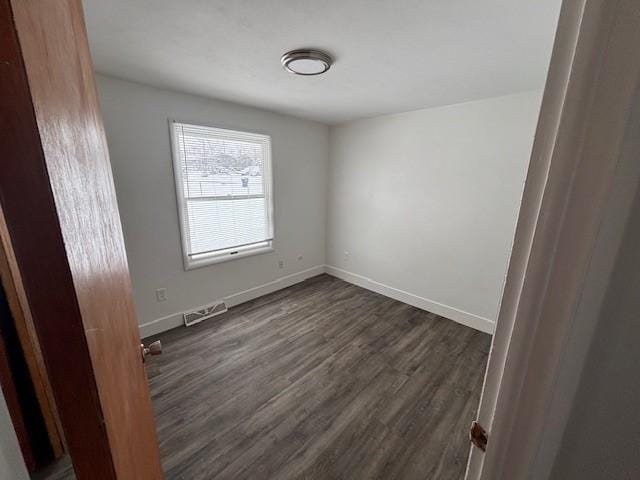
{"points": [[26, 331], [566, 238]]}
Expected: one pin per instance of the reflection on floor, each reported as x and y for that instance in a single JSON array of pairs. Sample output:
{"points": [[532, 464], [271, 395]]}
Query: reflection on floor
{"points": [[322, 380], [60, 470]]}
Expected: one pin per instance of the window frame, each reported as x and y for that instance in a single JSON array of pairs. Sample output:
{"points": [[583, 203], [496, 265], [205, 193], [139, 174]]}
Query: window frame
{"points": [[191, 262]]}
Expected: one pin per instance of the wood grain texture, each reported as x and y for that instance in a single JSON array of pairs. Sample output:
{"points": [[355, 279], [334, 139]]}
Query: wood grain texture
{"points": [[323, 380], [32, 225], [59, 202]]}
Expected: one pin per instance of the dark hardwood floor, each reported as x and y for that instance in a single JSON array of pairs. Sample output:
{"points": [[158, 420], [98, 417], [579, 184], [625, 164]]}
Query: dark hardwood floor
{"points": [[323, 380]]}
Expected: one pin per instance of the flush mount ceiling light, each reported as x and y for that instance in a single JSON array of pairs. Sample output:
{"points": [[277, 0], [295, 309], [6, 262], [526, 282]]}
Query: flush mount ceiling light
{"points": [[306, 62]]}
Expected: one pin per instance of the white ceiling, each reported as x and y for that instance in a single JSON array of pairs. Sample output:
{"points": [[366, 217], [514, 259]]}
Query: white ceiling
{"points": [[391, 55]]}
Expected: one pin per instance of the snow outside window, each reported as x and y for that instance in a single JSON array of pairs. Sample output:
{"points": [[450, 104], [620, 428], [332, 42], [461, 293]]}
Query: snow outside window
{"points": [[225, 195]]}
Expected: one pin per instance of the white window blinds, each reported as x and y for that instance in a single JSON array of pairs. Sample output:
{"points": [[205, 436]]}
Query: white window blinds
{"points": [[223, 181]]}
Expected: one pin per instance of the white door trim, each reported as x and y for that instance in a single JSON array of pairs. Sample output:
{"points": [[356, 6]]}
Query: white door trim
{"points": [[594, 72]]}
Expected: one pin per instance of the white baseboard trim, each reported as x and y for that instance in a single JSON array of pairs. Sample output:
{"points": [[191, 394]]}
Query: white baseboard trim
{"points": [[274, 286], [174, 320], [460, 316]]}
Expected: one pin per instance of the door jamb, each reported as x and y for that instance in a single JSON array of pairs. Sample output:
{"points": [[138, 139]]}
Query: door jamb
{"points": [[591, 86]]}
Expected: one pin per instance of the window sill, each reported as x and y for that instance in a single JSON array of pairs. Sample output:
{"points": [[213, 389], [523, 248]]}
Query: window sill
{"points": [[206, 260]]}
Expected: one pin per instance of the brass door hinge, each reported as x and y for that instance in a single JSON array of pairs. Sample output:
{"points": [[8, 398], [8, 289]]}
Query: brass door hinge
{"points": [[478, 436]]}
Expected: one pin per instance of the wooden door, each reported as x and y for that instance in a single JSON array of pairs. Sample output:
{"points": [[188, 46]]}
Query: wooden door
{"points": [[59, 204]]}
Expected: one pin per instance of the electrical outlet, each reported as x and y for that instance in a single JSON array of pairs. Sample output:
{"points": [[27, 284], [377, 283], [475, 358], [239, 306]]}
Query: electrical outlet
{"points": [[280, 263], [161, 294], [346, 256]]}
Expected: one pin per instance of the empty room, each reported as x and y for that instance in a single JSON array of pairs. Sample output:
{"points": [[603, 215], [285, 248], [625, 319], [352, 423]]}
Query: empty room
{"points": [[314, 240]]}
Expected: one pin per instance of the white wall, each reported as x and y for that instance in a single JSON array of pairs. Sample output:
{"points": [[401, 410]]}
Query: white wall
{"points": [[425, 202], [602, 437], [136, 122], [11, 462]]}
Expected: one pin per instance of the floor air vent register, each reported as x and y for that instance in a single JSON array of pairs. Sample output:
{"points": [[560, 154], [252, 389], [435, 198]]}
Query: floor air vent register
{"points": [[204, 313]]}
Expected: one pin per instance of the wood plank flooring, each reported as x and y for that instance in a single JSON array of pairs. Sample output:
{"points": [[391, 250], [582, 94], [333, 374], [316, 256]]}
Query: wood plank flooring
{"points": [[323, 380]]}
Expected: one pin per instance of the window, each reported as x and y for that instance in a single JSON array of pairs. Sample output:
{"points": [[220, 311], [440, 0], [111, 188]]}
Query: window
{"points": [[225, 198]]}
